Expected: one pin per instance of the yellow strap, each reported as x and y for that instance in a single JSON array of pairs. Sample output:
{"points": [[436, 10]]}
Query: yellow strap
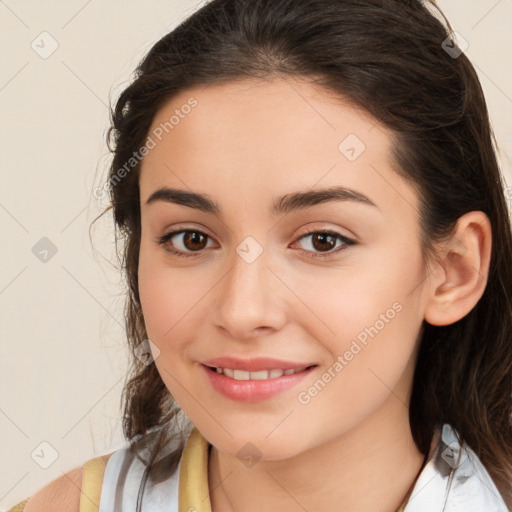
{"points": [[19, 507], [92, 480], [193, 479]]}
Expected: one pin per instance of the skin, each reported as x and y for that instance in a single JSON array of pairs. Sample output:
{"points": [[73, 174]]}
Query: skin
{"points": [[244, 145]]}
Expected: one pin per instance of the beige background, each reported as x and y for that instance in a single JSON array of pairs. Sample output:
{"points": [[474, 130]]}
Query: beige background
{"points": [[63, 356]]}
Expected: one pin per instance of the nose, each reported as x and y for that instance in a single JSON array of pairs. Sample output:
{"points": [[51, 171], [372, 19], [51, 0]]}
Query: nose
{"points": [[250, 300]]}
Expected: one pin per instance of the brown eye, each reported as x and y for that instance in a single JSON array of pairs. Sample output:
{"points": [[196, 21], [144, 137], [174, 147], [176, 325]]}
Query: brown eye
{"points": [[184, 242], [324, 244], [323, 241], [194, 240]]}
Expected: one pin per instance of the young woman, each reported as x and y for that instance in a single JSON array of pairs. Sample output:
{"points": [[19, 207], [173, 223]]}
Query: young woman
{"points": [[318, 250]]}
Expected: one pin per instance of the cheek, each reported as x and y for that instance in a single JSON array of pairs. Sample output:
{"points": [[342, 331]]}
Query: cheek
{"points": [[370, 314], [370, 353], [368, 290], [174, 303], [168, 297], [170, 306]]}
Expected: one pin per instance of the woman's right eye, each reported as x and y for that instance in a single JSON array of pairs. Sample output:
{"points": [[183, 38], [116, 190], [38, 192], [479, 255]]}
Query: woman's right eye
{"points": [[191, 241]]}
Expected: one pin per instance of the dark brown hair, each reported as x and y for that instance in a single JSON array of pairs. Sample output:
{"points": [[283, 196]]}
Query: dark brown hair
{"points": [[386, 56]]}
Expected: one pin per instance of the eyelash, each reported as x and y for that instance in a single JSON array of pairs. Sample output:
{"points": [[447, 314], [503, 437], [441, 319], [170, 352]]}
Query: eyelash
{"points": [[162, 240]]}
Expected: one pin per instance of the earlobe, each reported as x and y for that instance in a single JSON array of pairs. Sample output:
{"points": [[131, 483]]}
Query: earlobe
{"points": [[461, 276]]}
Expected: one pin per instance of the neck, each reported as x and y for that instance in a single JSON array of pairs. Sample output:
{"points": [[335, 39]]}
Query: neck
{"points": [[376, 462]]}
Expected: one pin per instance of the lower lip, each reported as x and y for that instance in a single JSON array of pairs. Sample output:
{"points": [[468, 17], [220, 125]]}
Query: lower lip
{"points": [[253, 390]]}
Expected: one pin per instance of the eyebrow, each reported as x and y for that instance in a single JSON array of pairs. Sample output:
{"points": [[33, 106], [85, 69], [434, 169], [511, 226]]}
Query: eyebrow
{"points": [[285, 204]]}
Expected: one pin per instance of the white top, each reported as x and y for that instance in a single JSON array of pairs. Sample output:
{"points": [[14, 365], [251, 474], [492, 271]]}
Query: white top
{"points": [[121, 482]]}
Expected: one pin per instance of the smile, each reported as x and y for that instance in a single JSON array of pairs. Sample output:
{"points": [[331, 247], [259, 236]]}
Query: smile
{"points": [[259, 375], [254, 386]]}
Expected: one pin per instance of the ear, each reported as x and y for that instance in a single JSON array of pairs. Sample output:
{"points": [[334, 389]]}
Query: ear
{"points": [[460, 276]]}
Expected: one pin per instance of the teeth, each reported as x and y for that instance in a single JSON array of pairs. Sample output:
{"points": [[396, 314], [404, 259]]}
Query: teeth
{"points": [[241, 375], [259, 375]]}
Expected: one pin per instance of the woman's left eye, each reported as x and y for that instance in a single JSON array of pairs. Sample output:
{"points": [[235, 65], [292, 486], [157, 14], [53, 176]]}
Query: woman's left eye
{"points": [[322, 241], [325, 241]]}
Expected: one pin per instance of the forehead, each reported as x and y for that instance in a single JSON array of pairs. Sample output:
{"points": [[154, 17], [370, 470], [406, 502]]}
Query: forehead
{"points": [[274, 137]]}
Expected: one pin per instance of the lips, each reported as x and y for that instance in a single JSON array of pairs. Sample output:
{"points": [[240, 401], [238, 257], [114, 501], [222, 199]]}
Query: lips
{"points": [[257, 389], [253, 390]]}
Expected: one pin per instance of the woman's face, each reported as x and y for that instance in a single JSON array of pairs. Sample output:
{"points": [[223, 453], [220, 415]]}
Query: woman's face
{"points": [[258, 279]]}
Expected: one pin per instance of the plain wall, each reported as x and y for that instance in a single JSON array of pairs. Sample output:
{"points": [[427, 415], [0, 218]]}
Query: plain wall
{"points": [[63, 354]]}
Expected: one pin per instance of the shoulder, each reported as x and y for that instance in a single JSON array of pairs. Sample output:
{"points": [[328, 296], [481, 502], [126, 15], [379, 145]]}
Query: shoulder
{"points": [[60, 495]]}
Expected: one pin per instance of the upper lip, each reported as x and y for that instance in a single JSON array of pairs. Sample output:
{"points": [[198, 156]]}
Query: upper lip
{"points": [[255, 364]]}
